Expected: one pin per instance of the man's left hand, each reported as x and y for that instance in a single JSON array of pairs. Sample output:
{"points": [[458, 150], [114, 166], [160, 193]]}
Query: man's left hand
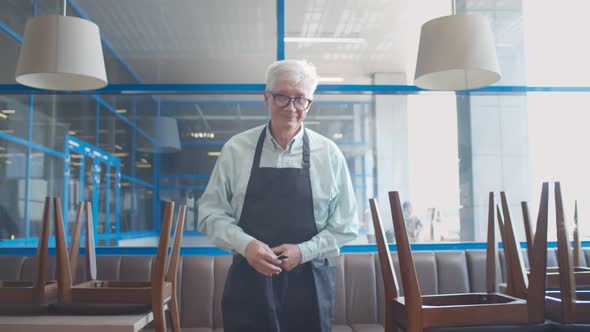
{"points": [[293, 254]]}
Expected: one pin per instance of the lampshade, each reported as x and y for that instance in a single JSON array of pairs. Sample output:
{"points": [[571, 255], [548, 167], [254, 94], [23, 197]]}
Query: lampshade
{"points": [[163, 129], [61, 53], [456, 53]]}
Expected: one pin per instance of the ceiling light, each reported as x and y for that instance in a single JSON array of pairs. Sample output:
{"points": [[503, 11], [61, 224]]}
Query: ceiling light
{"points": [[121, 111], [8, 111], [72, 132], [456, 52], [3, 116], [310, 122], [328, 79], [324, 40], [213, 153], [118, 147], [120, 154], [61, 53]]}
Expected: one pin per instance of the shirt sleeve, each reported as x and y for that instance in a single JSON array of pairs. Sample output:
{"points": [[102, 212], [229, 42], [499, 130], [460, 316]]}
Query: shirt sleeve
{"points": [[216, 216], [342, 223]]}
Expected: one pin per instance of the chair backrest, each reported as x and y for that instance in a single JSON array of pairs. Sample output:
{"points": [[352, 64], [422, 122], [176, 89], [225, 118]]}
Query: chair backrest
{"points": [[491, 249], [518, 281], [175, 255], [387, 270], [159, 273], [412, 295], [577, 244], [90, 244], [64, 275], [528, 231], [74, 252], [42, 254], [534, 293], [567, 283], [538, 264]]}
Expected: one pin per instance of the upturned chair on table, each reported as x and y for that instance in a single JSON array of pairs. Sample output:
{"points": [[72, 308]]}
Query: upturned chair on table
{"points": [[489, 311], [581, 273], [566, 305], [106, 296], [32, 296]]}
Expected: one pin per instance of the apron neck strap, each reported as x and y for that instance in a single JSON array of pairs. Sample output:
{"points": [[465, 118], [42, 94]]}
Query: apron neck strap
{"points": [[258, 153]]}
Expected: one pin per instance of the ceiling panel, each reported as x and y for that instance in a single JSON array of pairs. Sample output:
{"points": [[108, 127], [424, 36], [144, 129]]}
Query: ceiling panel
{"points": [[190, 41]]}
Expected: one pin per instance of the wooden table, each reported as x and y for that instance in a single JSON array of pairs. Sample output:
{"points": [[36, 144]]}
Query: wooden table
{"points": [[75, 323]]}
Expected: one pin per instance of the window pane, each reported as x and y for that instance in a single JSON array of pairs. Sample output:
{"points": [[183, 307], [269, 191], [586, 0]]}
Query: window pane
{"points": [[47, 179], [13, 166], [56, 116], [14, 115]]}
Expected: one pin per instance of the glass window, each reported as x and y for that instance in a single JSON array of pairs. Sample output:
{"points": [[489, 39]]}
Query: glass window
{"points": [[14, 115], [9, 48], [56, 116], [554, 54], [13, 167], [47, 179]]}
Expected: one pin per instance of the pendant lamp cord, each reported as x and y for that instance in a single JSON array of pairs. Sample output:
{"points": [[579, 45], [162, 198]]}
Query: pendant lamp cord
{"points": [[65, 7]]}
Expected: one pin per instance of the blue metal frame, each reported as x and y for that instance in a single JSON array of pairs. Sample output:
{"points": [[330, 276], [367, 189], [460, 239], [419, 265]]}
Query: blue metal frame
{"points": [[154, 89], [11, 32], [150, 89], [196, 143], [213, 251], [280, 29], [138, 181], [185, 176], [158, 221], [197, 187], [28, 172]]}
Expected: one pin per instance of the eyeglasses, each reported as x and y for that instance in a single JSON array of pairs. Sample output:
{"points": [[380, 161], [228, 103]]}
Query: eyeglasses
{"points": [[282, 101]]}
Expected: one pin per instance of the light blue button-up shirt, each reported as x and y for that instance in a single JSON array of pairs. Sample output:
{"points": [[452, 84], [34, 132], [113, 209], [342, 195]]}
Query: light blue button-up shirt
{"points": [[334, 204]]}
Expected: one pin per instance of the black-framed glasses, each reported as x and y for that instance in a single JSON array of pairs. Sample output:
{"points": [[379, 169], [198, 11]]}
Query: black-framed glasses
{"points": [[282, 101]]}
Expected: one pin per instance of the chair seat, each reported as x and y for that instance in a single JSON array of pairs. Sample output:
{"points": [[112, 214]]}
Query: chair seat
{"points": [[544, 327], [100, 309], [466, 309], [125, 292], [23, 293], [25, 309]]}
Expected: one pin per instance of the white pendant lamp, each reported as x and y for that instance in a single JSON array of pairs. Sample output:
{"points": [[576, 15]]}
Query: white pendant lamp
{"points": [[61, 53], [456, 52]]}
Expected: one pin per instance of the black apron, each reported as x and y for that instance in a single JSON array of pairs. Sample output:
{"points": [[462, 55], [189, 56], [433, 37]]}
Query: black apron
{"points": [[278, 209]]}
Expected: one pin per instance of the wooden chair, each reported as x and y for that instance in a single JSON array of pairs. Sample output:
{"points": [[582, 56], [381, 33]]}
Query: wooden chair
{"points": [[33, 296], [568, 304], [157, 295], [470, 311], [581, 273]]}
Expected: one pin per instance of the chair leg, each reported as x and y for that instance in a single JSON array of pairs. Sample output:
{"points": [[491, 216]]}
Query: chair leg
{"points": [[159, 318], [174, 314]]}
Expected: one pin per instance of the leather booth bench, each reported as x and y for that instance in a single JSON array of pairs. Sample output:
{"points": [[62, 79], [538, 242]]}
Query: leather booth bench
{"points": [[359, 302]]}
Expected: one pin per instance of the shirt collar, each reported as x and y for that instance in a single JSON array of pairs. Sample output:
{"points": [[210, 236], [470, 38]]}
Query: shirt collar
{"points": [[294, 142]]}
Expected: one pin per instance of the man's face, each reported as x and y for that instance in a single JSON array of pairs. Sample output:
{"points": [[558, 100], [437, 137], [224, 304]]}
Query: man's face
{"points": [[285, 118]]}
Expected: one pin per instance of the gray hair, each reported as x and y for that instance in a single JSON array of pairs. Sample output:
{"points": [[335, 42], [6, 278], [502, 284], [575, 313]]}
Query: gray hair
{"points": [[296, 71]]}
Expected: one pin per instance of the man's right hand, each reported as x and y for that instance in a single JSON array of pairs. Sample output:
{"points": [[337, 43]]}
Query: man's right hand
{"points": [[262, 259]]}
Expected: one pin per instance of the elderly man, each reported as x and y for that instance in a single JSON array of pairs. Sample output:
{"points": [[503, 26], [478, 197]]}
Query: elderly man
{"points": [[280, 198]]}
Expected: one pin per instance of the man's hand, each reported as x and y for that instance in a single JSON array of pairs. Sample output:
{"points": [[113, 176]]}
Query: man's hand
{"points": [[293, 254], [262, 259]]}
